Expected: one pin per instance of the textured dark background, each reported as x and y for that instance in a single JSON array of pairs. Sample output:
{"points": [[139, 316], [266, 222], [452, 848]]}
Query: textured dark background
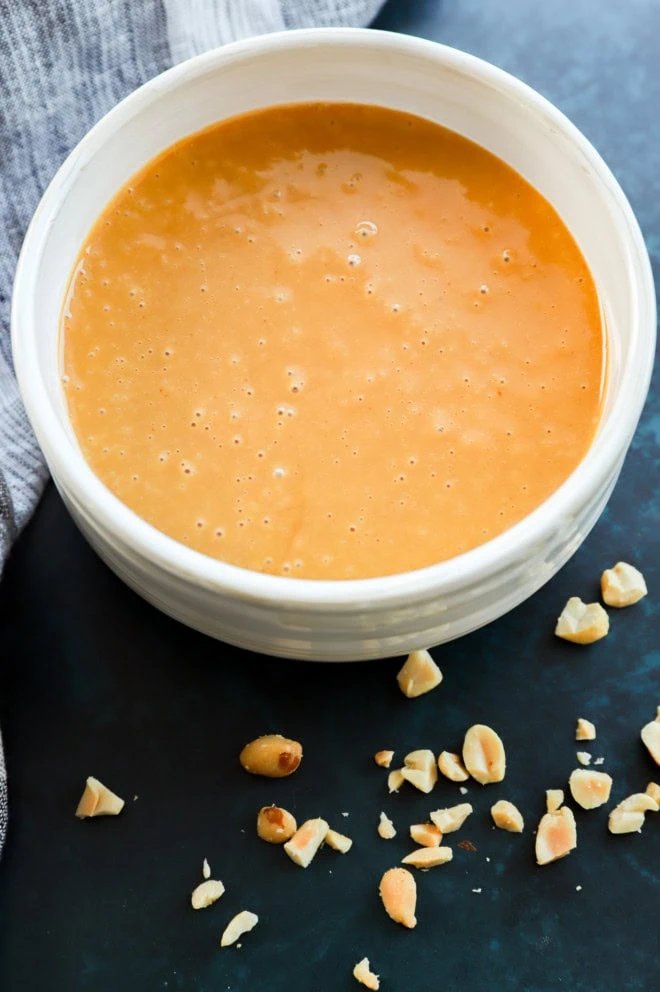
{"points": [[93, 681]]}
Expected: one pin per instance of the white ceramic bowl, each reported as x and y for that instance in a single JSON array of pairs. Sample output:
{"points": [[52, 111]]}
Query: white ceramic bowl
{"points": [[357, 619]]}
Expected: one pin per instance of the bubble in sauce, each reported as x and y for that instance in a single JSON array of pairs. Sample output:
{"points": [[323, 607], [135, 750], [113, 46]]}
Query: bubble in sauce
{"points": [[366, 229]]}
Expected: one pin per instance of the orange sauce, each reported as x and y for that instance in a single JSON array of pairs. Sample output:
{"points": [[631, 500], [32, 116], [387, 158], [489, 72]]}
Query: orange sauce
{"points": [[332, 341]]}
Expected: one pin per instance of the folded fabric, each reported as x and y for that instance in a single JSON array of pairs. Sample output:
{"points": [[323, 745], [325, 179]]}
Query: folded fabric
{"points": [[63, 64]]}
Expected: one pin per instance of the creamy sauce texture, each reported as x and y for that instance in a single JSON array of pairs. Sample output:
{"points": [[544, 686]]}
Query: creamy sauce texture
{"points": [[332, 341]]}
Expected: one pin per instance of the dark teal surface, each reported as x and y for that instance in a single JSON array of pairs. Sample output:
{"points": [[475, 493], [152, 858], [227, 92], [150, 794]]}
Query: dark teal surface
{"points": [[93, 681]]}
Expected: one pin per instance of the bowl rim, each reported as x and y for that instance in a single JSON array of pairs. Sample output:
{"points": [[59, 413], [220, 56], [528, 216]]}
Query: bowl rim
{"points": [[69, 467]]}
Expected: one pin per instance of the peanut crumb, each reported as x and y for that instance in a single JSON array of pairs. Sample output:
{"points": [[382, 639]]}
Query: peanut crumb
{"points": [[590, 789], [582, 623], [420, 770], [242, 923], [206, 869], [386, 828], [428, 857], [506, 816], [395, 780], [398, 892], [483, 754], [554, 798], [556, 836], [419, 674], [383, 758], [98, 800], [206, 893], [363, 973], [585, 730], [583, 757], [452, 767], [338, 842], [425, 834], [306, 841], [622, 585], [651, 737], [451, 819]]}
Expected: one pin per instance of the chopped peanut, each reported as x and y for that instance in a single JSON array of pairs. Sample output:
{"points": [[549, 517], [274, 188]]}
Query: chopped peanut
{"points": [[583, 757], [98, 800], [651, 737], [556, 836], [590, 789], [419, 674], [420, 770], [452, 767], [362, 971], [338, 842], [451, 819], [386, 828], [206, 893], [273, 756], [506, 816], [398, 890], [242, 923], [653, 790], [395, 780], [582, 623], [622, 585], [306, 841], [428, 857], [621, 821], [628, 817], [554, 798], [426, 834], [384, 759], [585, 730], [206, 869], [275, 825], [639, 802], [483, 754]]}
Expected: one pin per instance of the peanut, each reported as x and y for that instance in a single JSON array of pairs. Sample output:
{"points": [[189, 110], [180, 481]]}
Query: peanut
{"points": [[272, 755], [653, 790], [338, 842], [206, 893], [483, 754], [556, 836], [451, 819], [386, 828], [585, 730], [582, 623], [98, 800], [362, 971], [398, 892], [419, 674], [384, 759], [628, 817], [583, 757], [306, 841], [622, 585], [590, 789], [275, 825], [554, 798], [651, 737], [639, 802], [428, 857], [420, 770], [452, 767], [395, 780], [506, 816], [242, 923], [426, 834]]}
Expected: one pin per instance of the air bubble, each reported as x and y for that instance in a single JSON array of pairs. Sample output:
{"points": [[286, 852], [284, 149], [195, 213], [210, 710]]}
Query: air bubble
{"points": [[395, 307], [366, 229], [354, 260], [484, 289], [279, 473]]}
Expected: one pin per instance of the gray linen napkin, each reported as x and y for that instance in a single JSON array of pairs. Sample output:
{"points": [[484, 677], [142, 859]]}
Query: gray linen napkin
{"points": [[63, 64]]}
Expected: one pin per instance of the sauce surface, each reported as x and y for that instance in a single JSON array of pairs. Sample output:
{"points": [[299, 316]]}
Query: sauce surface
{"points": [[332, 341]]}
